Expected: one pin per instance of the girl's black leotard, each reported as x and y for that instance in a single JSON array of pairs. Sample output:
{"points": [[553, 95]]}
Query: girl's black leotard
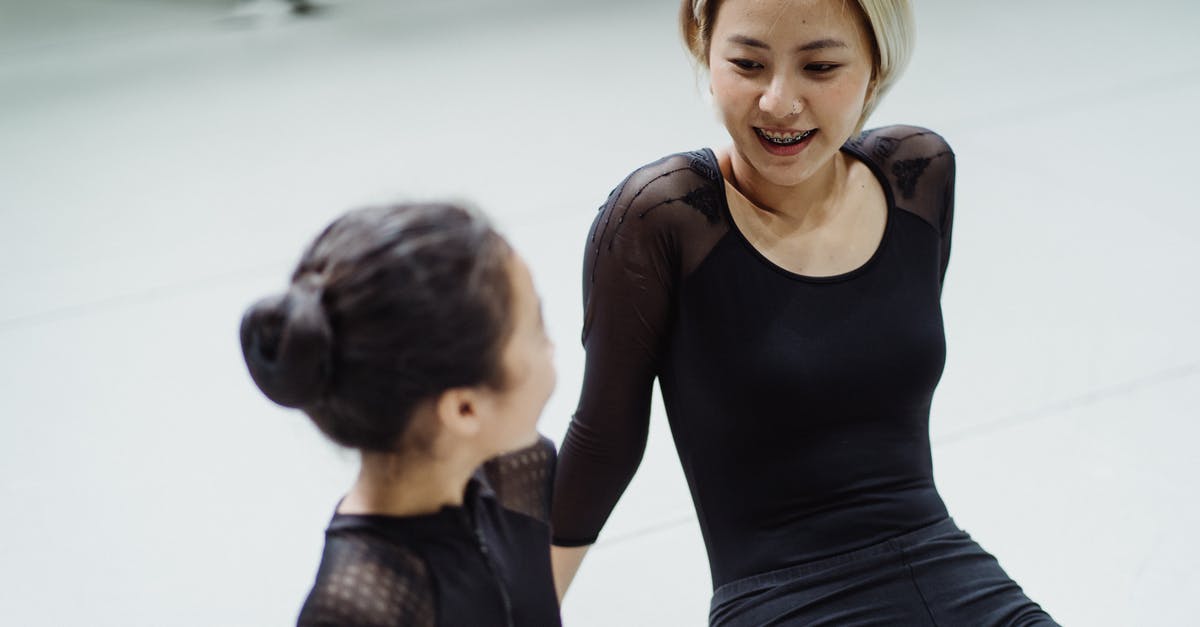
{"points": [[799, 406], [484, 563]]}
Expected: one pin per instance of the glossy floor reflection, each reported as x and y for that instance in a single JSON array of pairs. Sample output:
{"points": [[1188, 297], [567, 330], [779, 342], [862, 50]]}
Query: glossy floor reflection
{"points": [[162, 163]]}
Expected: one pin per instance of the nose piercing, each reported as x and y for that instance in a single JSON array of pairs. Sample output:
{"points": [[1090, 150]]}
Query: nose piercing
{"points": [[795, 107]]}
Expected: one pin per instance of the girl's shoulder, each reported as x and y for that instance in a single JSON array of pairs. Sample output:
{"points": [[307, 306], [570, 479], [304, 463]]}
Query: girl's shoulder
{"points": [[365, 579]]}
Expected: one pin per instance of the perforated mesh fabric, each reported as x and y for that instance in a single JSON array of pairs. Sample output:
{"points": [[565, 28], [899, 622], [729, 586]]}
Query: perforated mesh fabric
{"points": [[483, 563], [366, 583], [524, 480]]}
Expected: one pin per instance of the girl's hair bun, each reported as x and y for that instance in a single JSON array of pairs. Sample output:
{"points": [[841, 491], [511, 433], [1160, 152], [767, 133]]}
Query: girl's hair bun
{"points": [[288, 345]]}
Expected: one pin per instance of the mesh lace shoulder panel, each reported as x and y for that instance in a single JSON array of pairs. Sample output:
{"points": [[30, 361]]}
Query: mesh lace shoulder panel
{"points": [[920, 167], [664, 217], [364, 581], [523, 480]]}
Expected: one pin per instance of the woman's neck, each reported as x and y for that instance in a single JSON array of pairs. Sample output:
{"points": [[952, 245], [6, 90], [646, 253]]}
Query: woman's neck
{"points": [[408, 485], [810, 203]]}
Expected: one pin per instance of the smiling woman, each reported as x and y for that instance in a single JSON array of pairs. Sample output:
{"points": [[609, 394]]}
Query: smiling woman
{"points": [[785, 292]]}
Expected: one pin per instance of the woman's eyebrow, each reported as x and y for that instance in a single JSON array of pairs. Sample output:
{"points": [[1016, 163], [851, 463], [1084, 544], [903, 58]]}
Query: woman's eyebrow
{"points": [[821, 44], [748, 41], [818, 44]]}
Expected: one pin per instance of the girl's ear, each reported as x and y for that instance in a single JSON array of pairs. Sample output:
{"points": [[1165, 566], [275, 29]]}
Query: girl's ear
{"points": [[458, 412]]}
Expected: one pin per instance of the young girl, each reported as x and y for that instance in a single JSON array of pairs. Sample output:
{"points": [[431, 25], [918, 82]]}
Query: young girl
{"points": [[785, 291], [413, 333]]}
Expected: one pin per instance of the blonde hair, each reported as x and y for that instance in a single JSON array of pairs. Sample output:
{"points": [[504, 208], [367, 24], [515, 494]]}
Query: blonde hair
{"points": [[890, 23]]}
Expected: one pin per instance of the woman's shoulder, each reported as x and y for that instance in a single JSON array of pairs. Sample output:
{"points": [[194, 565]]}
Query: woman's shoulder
{"points": [[900, 141], [917, 162], [674, 191], [701, 162], [661, 221]]}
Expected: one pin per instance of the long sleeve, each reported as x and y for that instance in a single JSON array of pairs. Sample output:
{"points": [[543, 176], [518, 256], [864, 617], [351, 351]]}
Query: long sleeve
{"points": [[947, 221], [654, 227]]}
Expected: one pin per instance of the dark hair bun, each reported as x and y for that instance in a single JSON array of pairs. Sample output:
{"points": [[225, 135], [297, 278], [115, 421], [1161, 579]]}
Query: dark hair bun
{"points": [[288, 343]]}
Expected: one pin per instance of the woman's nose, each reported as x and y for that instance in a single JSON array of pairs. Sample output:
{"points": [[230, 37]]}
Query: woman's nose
{"points": [[781, 100]]}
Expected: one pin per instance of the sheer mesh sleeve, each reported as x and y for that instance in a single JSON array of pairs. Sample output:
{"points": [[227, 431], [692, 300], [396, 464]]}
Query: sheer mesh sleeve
{"points": [[653, 229], [523, 480], [921, 168], [368, 583]]}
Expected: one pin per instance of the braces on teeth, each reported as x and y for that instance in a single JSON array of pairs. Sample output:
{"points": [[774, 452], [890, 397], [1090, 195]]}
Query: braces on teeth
{"points": [[784, 140]]}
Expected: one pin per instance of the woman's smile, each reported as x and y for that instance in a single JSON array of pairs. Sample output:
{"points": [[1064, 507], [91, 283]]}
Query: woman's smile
{"points": [[784, 142]]}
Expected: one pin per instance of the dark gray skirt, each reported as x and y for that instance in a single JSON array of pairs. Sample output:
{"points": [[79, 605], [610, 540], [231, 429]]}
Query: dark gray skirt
{"points": [[936, 575]]}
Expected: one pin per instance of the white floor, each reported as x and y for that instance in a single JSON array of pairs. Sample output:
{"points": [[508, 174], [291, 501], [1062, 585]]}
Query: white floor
{"points": [[162, 164]]}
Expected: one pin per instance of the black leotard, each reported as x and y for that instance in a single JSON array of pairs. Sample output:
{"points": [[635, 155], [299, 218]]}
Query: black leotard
{"points": [[484, 563], [799, 406]]}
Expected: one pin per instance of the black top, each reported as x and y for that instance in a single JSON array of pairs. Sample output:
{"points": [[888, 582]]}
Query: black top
{"points": [[484, 563], [799, 406]]}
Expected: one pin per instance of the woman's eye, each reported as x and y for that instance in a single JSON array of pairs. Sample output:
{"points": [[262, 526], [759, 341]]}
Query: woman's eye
{"points": [[746, 64], [821, 68]]}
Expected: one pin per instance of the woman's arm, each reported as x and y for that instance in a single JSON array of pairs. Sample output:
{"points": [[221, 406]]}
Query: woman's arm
{"points": [[629, 273], [566, 560]]}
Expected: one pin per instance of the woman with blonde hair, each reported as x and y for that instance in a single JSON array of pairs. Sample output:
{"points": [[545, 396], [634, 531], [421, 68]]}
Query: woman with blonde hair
{"points": [[785, 292]]}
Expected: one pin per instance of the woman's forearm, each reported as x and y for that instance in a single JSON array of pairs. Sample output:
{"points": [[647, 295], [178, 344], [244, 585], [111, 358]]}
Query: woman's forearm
{"points": [[565, 561]]}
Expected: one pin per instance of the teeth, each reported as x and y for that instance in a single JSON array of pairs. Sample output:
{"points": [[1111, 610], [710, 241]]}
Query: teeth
{"points": [[785, 138], [784, 135]]}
